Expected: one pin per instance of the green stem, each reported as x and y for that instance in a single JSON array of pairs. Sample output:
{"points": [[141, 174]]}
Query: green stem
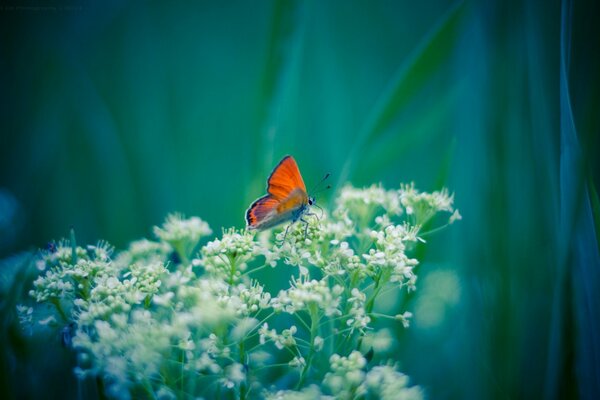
{"points": [[58, 307], [181, 370], [243, 388], [370, 304], [73, 247], [180, 249], [232, 270], [314, 327]]}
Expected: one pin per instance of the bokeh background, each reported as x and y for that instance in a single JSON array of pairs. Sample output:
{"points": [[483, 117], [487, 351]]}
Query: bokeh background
{"points": [[114, 114]]}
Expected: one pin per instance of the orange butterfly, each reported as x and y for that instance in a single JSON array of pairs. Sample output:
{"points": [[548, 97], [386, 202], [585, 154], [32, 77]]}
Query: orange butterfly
{"points": [[286, 198]]}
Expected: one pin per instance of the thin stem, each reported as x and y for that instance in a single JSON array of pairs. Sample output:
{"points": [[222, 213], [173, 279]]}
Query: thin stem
{"points": [[439, 228], [380, 315], [340, 332], [302, 321], [255, 270], [272, 366], [370, 304]]}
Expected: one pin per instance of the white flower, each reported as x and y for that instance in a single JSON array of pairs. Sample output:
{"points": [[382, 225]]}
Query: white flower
{"points": [[380, 340], [243, 327], [234, 375], [404, 318], [318, 343], [297, 362], [454, 217]]}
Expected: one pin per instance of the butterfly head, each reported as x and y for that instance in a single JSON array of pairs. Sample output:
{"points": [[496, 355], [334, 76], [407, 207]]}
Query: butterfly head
{"points": [[311, 200]]}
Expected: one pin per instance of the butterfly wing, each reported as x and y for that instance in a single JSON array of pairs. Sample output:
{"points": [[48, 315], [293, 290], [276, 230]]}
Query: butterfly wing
{"points": [[286, 196], [260, 210], [285, 178]]}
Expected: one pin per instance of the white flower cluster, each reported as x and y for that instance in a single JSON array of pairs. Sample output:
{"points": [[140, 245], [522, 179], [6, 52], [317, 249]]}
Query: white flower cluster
{"points": [[311, 392], [389, 257], [52, 286], [341, 260], [361, 202], [226, 257], [302, 245], [110, 295], [61, 252], [143, 251], [68, 270], [349, 380], [181, 233], [281, 340], [346, 375], [161, 322], [309, 295], [424, 205], [253, 298], [358, 316], [385, 383], [127, 350]]}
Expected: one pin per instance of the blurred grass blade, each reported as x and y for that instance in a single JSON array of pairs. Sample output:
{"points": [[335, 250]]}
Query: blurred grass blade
{"points": [[429, 57], [388, 149], [595, 209], [580, 259], [283, 56], [14, 273]]}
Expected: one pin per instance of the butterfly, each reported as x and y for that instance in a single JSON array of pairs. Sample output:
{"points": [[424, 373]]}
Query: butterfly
{"points": [[286, 198]]}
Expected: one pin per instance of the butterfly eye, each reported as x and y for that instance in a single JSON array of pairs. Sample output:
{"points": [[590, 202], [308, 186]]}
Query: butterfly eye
{"points": [[311, 201]]}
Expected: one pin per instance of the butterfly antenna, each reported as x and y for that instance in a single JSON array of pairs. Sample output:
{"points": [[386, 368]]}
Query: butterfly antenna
{"points": [[319, 184]]}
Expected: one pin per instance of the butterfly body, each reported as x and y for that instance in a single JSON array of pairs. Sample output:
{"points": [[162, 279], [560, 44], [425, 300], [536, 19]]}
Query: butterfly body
{"points": [[286, 199]]}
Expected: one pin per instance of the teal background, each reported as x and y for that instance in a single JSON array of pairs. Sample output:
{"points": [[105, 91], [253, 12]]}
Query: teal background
{"points": [[113, 115]]}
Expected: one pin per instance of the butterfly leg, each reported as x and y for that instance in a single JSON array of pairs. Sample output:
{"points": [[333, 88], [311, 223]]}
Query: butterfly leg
{"points": [[312, 215], [305, 226], [286, 232]]}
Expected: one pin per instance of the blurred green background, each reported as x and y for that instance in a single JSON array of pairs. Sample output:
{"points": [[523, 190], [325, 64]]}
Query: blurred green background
{"points": [[113, 115]]}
